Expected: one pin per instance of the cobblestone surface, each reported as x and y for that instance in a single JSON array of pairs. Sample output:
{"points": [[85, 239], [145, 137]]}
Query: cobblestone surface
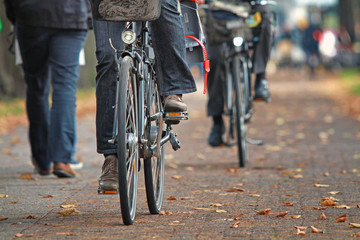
{"points": [[308, 141]]}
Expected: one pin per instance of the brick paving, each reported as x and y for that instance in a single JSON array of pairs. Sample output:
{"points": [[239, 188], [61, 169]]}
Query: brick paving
{"points": [[308, 141]]}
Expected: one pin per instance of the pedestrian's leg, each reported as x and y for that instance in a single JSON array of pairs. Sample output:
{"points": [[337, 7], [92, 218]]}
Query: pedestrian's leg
{"points": [[34, 44], [65, 49]]}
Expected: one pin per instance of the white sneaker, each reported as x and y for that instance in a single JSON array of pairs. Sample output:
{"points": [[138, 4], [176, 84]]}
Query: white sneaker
{"points": [[76, 165]]}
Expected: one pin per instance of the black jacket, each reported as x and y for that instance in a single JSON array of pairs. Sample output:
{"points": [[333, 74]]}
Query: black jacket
{"points": [[63, 14]]}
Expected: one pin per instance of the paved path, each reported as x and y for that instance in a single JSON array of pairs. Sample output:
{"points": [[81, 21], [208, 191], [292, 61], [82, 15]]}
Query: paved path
{"points": [[308, 141]]}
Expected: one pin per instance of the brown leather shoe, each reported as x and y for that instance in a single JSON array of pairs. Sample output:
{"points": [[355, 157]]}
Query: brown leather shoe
{"points": [[109, 175], [174, 103], [39, 170], [63, 170]]}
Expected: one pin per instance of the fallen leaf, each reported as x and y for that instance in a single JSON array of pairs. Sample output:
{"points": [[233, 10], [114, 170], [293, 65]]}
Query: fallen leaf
{"points": [[4, 195], [173, 165], [291, 171], [233, 170], [30, 217], [322, 216], [341, 219], [220, 211], [171, 198], [68, 211], [254, 195], [47, 196], [201, 156], [330, 198], [328, 202], [162, 212], [303, 228], [204, 209], [3, 219], [19, 235], [238, 217], [321, 185], [343, 171], [354, 225], [295, 216], [297, 176], [185, 198], [235, 189], [354, 170], [15, 140], [6, 151], [334, 192], [265, 211], [342, 206], [288, 203], [326, 174], [283, 214], [176, 177], [68, 206], [300, 232], [319, 208], [27, 176], [216, 205], [315, 230], [236, 224]]}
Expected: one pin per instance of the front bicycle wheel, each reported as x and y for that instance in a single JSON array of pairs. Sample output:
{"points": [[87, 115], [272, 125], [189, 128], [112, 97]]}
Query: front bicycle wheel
{"points": [[127, 143], [239, 109], [154, 166]]}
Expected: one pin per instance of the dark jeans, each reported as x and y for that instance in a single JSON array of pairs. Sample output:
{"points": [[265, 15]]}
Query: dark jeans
{"points": [[174, 76], [216, 77], [51, 56]]}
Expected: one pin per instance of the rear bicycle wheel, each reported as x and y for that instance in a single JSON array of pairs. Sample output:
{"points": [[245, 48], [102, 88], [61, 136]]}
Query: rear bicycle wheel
{"points": [[154, 166], [127, 144], [239, 109]]}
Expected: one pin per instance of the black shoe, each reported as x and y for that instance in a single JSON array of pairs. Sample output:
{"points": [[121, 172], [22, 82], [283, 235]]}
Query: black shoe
{"points": [[262, 92], [215, 137]]}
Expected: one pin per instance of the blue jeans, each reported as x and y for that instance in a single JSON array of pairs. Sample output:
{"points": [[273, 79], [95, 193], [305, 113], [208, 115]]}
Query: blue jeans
{"points": [[51, 56], [174, 76]]}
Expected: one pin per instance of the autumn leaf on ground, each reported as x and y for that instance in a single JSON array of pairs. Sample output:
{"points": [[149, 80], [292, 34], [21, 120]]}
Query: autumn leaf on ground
{"points": [[300, 230], [235, 189], [220, 211], [254, 195], [47, 196], [68, 211], [322, 216], [341, 219], [30, 217], [176, 177], [185, 198], [295, 216], [27, 176], [316, 230], [297, 176], [204, 209], [19, 235], [233, 170], [330, 198], [236, 224], [354, 225], [4, 195], [328, 202], [283, 214], [265, 211], [171, 198], [343, 171], [3, 219], [68, 206], [6, 151], [326, 174], [288, 203], [216, 205], [334, 192], [319, 208], [342, 206], [317, 185], [238, 217], [291, 171], [162, 212]]}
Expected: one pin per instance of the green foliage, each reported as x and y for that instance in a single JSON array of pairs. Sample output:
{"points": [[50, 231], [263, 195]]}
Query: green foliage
{"points": [[351, 78]]}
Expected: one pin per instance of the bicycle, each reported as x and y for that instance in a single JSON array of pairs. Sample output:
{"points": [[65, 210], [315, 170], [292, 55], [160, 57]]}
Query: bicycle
{"points": [[141, 127], [236, 60]]}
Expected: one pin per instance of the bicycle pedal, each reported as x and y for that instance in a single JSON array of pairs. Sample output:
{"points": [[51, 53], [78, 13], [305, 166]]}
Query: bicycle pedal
{"points": [[104, 191], [172, 116]]}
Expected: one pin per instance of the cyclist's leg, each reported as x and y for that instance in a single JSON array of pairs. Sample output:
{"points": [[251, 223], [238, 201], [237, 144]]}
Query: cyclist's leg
{"points": [[215, 105], [173, 72], [105, 97]]}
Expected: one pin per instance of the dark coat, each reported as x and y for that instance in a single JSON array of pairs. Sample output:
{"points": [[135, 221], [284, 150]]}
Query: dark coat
{"points": [[62, 14]]}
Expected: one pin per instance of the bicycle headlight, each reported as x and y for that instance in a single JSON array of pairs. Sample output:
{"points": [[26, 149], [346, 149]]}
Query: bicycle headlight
{"points": [[238, 41], [128, 36]]}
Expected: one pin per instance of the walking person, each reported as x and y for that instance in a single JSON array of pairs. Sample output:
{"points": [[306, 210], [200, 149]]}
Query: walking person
{"points": [[173, 73], [51, 35]]}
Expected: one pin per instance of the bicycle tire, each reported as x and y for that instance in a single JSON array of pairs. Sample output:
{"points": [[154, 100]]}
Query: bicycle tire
{"points": [[127, 144], [154, 167], [239, 109]]}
